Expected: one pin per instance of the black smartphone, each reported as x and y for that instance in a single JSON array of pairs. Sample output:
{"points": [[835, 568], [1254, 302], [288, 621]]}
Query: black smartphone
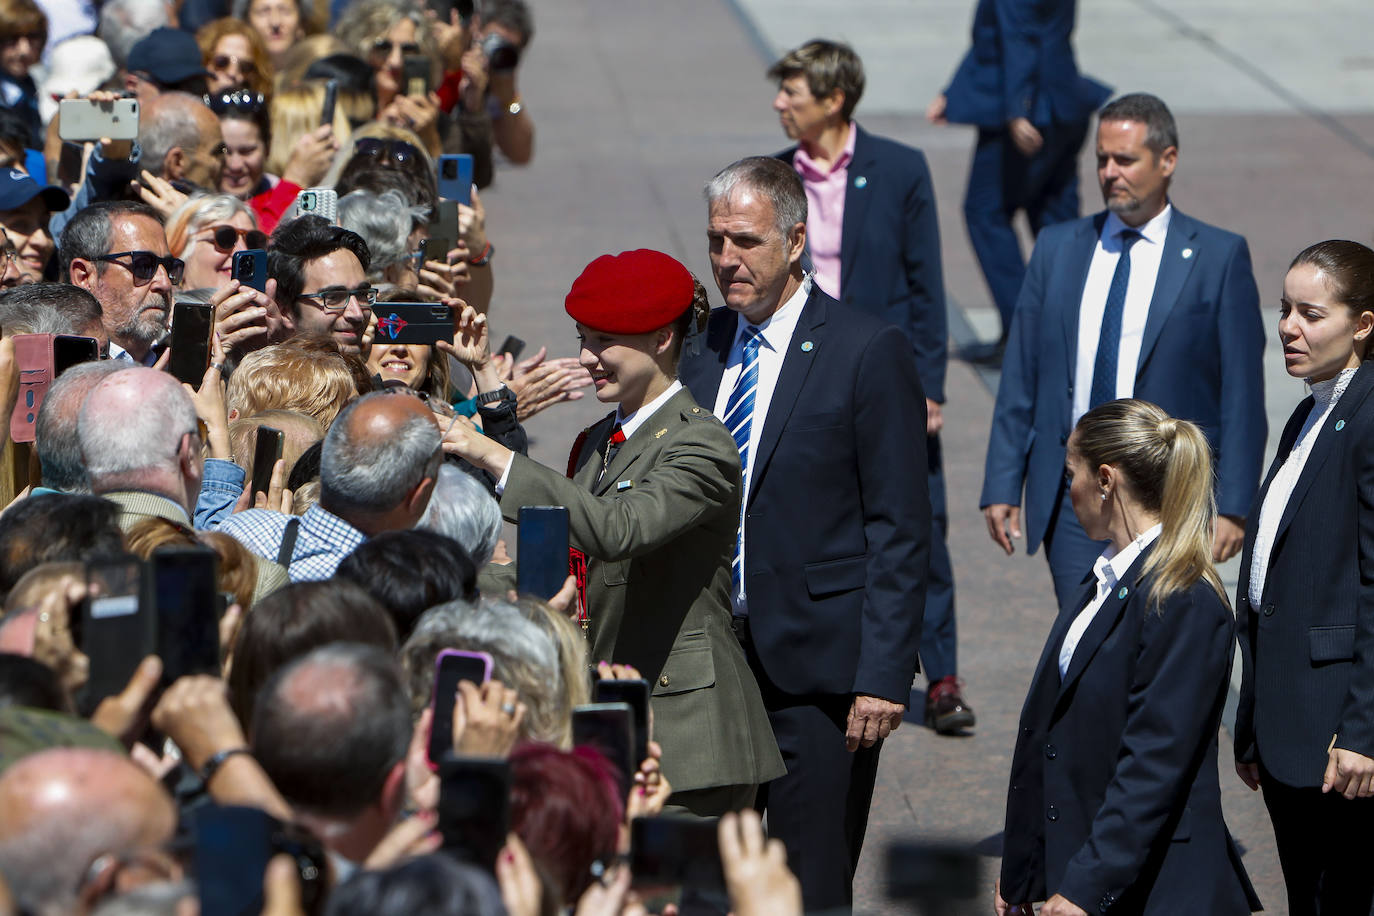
{"points": [[412, 322], [266, 453], [512, 346], [250, 268], [331, 98], [609, 727], [542, 561], [232, 848], [118, 626], [416, 74], [186, 593], [192, 327], [635, 693], [474, 808], [670, 851], [455, 177], [443, 230], [452, 666]]}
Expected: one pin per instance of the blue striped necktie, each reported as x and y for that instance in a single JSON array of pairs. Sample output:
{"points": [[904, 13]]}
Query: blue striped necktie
{"points": [[739, 418], [1109, 340]]}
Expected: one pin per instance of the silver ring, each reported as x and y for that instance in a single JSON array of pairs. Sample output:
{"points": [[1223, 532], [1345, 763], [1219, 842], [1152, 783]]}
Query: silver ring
{"points": [[508, 709]]}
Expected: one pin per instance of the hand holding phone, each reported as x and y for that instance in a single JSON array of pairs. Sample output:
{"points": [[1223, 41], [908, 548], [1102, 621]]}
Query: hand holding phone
{"points": [[192, 328], [267, 452], [92, 120], [455, 178], [609, 727], [250, 268], [543, 560], [186, 593], [452, 666], [635, 694], [331, 96], [474, 808]]}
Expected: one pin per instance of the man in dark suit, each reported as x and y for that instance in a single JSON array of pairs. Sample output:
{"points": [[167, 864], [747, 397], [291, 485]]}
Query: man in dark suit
{"points": [[829, 573], [1019, 85], [1139, 301], [874, 241]]}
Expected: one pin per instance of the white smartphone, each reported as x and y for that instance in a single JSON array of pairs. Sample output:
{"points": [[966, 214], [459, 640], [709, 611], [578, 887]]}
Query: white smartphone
{"points": [[319, 202], [84, 119]]}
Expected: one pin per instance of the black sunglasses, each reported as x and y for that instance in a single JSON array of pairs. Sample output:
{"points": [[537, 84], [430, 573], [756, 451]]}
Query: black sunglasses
{"points": [[238, 100], [398, 151], [225, 237], [144, 264], [384, 47]]}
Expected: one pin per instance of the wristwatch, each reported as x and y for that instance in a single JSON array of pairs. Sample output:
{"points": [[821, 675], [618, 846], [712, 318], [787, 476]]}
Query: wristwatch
{"points": [[491, 397]]}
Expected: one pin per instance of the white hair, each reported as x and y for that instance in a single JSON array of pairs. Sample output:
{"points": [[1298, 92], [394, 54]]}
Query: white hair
{"points": [[120, 435], [123, 23], [462, 509], [384, 221]]}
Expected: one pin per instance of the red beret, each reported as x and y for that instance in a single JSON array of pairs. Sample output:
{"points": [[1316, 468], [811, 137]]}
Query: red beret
{"points": [[634, 292]]}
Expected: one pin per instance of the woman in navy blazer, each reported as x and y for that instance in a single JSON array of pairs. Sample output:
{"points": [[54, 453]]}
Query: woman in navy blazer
{"points": [[1305, 724], [1115, 804]]}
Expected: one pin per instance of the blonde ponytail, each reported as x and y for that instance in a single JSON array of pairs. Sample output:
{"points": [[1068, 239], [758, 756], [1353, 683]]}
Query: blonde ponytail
{"points": [[1168, 466]]}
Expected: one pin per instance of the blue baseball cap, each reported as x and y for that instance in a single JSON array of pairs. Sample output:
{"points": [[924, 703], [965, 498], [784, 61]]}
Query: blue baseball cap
{"points": [[18, 188], [168, 56]]}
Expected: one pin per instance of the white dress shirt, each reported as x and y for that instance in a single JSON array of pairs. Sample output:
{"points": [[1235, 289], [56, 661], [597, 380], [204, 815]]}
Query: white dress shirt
{"points": [[1146, 254], [776, 337], [1325, 394], [1108, 569]]}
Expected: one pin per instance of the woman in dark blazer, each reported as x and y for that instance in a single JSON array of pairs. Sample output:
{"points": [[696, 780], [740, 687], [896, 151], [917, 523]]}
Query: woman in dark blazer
{"points": [[1114, 805], [1305, 724], [653, 493]]}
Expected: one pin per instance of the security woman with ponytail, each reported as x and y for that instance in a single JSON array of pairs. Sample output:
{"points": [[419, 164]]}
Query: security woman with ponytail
{"points": [[1305, 724], [1115, 805]]}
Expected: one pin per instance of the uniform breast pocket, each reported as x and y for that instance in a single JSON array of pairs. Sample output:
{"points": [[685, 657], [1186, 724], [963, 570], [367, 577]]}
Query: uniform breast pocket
{"points": [[689, 666], [815, 421], [1331, 644]]}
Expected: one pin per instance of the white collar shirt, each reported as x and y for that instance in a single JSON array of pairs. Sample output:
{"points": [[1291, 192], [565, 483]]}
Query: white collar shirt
{"points": [[1108, 568], [634, 420], [1146, 255], [776, 336]]}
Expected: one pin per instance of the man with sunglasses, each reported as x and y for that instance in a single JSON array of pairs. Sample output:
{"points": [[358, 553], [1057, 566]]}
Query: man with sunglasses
{"points": [[321, 274], [117, 251]]}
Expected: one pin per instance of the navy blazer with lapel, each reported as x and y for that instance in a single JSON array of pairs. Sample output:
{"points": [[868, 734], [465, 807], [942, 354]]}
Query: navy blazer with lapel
{"points": [[1308, 649], [1021, 65], [1115, 800], [1200, 360], [837, 526], [890, 249]]}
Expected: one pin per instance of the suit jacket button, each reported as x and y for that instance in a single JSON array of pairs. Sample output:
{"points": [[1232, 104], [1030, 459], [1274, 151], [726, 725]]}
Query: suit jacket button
{"points": [[663, 681], [1050, 752], [1269, 610], [1052, 814], [1063, 440]]}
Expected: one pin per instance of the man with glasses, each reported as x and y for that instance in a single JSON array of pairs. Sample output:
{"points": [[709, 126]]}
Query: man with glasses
{"points": [[321, 274], [117, 251]]}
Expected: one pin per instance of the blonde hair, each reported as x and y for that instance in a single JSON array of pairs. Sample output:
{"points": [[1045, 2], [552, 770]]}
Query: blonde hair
{"points": [[295, 113], [571, 646], [313, 382], [1167, 465], [208, 38], [199, 211], [298, 58]]}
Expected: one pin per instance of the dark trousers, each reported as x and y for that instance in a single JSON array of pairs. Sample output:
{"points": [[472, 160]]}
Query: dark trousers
{"points": [[1001, 181], [1070, 551], [1324, 845], [939, 639], [820, 808]]}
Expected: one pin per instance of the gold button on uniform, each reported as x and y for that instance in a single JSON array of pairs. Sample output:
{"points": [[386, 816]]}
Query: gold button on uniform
{"points": [[663, 681]]}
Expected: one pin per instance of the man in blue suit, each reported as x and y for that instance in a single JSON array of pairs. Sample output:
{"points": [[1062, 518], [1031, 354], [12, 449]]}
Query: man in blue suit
{"points": [[874, 241], [1138, 301], [830, 567], [1019, 85]]}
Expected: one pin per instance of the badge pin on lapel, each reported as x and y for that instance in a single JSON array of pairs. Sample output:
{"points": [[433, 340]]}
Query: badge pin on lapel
{"points": [[1187, 253], [1340, 425], [1123, 593], [860, 182], [807, 346], [659, 434], [624, 485]]}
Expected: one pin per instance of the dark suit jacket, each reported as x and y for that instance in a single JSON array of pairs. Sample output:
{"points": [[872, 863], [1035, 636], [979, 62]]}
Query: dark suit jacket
{"points": [[1200, 360], [838, 526], [1021, 65], [1308, 649], [1114, 800], [890, 249], [659, 531]]}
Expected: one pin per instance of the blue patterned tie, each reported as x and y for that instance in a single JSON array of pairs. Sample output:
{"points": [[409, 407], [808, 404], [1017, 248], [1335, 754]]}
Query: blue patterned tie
{"points": [[739, 417], [1109, 341]]}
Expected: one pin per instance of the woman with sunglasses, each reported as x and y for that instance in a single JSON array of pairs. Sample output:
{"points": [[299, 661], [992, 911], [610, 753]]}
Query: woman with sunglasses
{"points": [[236, 57]]}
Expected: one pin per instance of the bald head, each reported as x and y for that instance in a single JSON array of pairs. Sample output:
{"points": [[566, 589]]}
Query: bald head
{"points": [[181, 139], [379, 461], [56, 441], [66, 807], [137, 430]]}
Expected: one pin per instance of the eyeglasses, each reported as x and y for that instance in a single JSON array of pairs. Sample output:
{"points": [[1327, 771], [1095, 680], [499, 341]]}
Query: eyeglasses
{"points": [[225, 61], [239, 100], [225, 237], [398, 151], [144, 264], [335, 299], [383, 47]]}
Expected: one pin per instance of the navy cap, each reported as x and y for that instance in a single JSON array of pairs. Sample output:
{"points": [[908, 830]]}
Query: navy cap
{"points": [[18, 188], [168, 56]]}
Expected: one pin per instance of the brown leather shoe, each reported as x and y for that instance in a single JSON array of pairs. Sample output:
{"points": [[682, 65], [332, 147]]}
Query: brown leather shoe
{"points": [[946, 711]]}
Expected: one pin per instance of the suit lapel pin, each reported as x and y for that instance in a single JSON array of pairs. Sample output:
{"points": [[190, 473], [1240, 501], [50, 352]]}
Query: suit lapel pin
{"points": [[860, 182], [1340, 424], [807, 346], [1123, 593], [1187, 253], [624, 485], [659, 434]]}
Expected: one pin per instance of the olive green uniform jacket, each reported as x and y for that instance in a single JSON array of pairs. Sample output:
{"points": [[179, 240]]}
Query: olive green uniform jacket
{"points": [[659, 532]]}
